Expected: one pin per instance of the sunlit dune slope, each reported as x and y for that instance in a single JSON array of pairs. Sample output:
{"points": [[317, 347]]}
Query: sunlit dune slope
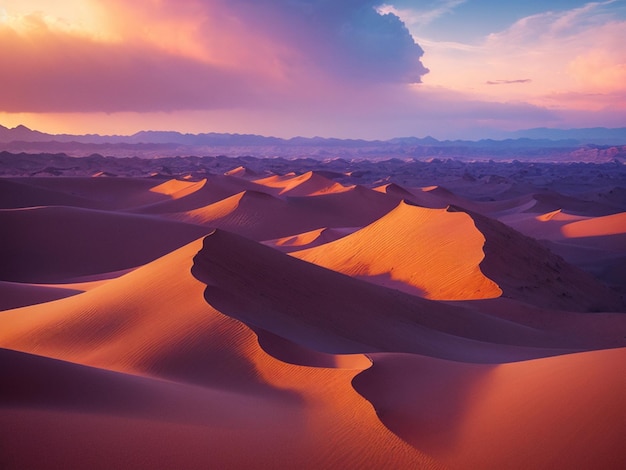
{"points": [[330, 312], [560, 412], [614, 224], [307, 184], [357, 206], [187, 196], [540, 226], [158, 320], [155, 321], [177, 189], [253, 214], [242, 172], [69, 415], [50, 244], [261, 216], [309, 239], [429, 252], [605, 232]]}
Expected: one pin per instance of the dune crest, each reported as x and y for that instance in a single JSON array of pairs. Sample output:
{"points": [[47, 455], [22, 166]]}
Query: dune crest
{"points": [[429, 252], [614, 224], [176, 189], [155, 322], [307, 184], [310, 239]]}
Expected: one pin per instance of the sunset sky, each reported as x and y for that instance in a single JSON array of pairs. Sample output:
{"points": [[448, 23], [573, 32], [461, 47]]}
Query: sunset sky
{"points": [[350, 68]]}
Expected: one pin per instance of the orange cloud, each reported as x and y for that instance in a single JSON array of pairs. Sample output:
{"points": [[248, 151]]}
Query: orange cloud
{"points": [[164, 55]]}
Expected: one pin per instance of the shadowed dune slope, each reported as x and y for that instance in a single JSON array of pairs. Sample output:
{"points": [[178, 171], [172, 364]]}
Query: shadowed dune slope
{"points": [[59, 415], [253, 214], [14, 294], [309, 239], [330, 312], [261, 216], [429, 252], [356, 207], [548, 201], [22, 192], [52, 244], [526, 270], [153, 320], [95, 193], [156, 322], [560, 412], [437, 197], [196, 195]]}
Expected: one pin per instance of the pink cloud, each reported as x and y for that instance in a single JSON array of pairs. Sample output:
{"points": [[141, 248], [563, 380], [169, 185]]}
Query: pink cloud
{"points": [[171, 55]]}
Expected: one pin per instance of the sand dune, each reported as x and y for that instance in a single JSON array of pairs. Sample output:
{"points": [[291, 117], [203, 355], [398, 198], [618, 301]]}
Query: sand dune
{"points": [[614, 224], [157, 424], [526, 270], [310, 239], [329, 312], [196, 195], [15, 294], [595, 244], [156, 322], [561, 412], [438, 197], [131, 324], [540, 226], [252, 214], [606, 232], [307, 184], [357, 206], [428, 252], [548, 201], [242, 172], [25, 192], [261, 216], [53, 244], [95, 193]]}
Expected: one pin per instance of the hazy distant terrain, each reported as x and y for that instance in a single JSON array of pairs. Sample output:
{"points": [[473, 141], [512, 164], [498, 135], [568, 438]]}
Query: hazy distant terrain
{"points": [[592, 145]]}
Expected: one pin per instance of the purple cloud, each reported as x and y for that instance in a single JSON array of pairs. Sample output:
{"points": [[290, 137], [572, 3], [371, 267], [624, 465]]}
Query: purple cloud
{"points": [[508, 82]]}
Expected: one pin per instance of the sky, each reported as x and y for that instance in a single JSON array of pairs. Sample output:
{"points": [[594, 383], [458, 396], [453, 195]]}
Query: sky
{"points": [[352, 68]]}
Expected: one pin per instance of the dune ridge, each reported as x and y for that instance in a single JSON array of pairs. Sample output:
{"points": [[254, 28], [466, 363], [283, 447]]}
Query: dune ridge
{"points": [[307, 184], [51, 244], [429, 252], [198, 345]]}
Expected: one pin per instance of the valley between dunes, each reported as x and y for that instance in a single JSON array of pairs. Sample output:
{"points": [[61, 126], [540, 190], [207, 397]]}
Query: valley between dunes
{"points": [[251, 319]]}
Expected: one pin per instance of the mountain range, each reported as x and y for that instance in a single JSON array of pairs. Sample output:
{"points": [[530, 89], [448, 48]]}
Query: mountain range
{"points": [[544, 137]]}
